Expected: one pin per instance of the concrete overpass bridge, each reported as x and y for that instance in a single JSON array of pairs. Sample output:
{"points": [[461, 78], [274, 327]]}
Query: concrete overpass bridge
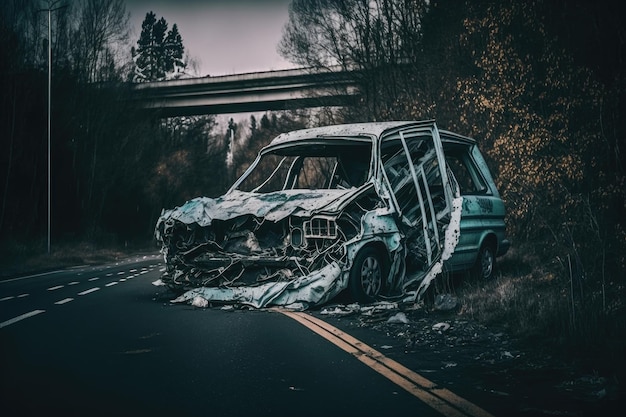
{"points": [[239, 93]]}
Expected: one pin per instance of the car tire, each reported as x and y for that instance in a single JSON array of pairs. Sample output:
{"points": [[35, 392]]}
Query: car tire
{"points": [[367, 275], [484, 268]]}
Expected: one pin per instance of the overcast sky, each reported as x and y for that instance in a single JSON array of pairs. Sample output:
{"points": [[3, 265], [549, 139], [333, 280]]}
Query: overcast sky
{"points": [[224, 36]]}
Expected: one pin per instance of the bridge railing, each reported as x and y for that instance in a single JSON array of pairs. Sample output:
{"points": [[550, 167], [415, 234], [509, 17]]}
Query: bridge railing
{"points": [[269, 90]]}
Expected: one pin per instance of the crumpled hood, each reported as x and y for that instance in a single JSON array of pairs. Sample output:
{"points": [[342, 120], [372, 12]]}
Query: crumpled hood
{"points": [[271, 206]]}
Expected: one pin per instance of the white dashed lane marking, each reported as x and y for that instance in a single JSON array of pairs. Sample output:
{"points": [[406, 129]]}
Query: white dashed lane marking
{"points": [[22, 317], [89, 291], [14, 320]]}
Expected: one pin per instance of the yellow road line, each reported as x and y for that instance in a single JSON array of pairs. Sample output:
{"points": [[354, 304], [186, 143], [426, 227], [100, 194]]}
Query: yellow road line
{"points": [[440, 399]]}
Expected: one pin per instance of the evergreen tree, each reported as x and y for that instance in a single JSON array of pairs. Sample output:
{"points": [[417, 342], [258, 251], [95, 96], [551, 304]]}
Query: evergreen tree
{"points": [[159, 53], [174, 52], [145, 56], [159, 31], [265, 122], [253, 126]]}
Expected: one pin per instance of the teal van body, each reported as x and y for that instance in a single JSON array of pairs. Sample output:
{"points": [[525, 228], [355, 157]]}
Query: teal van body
{"points": [[483, 230]]}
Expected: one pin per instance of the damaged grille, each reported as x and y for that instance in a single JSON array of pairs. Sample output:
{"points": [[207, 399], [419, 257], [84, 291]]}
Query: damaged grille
{"points": [[320, 228]]}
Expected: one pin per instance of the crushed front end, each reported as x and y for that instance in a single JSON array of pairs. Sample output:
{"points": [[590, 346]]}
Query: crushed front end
{"points": [[256, 244]]}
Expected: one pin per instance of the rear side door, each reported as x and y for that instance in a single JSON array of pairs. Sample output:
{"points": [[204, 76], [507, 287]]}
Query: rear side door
{"points": [[482, 217]]}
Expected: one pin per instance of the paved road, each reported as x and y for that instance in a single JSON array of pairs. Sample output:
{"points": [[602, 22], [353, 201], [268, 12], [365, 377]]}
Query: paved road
{"points": [[105, 341]]}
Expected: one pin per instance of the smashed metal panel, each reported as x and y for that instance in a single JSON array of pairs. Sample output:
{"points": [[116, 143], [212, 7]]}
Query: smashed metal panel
{"points": [[298, 294], [452, 234], [272, 207], [290, 230]]}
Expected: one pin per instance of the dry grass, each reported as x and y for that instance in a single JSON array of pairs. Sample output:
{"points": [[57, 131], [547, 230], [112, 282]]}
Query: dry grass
{"points": [[529, 300], [535, 303]]}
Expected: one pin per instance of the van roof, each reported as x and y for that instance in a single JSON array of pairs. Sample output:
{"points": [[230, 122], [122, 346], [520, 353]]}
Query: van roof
{"points": [[367, 129]]}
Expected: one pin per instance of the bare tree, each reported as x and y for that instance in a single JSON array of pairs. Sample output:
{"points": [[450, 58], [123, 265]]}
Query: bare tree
{"points": [[377, 39], [100, 33]]}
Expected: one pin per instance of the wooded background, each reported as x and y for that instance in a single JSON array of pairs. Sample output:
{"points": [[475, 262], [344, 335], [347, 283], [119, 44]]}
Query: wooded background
{"points": [[540, 84]]}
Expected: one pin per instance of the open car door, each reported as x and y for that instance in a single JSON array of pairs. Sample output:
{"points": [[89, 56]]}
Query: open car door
{"points": [[426, 198]]}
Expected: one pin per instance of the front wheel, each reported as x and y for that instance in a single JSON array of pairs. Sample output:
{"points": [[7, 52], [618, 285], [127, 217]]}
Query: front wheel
{"points": [[485, 264], [367, 275]]}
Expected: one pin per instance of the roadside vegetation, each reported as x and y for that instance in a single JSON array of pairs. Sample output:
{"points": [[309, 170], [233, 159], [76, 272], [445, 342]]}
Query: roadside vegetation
{"points": [[541, 87], [540, 84]]}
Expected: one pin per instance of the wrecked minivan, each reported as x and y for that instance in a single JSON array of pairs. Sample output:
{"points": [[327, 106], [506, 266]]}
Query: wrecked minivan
{"points": [[378, 209]]}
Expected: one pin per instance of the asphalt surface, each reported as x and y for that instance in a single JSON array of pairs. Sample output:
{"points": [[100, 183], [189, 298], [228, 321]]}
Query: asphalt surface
{"points": [[105, 341]]}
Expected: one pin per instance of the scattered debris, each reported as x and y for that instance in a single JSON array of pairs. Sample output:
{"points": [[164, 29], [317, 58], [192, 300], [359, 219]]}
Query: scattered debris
{"points": [[398, 318], [379, 306], [200, 302], [441, 327], [507, 354], [340, 310]]}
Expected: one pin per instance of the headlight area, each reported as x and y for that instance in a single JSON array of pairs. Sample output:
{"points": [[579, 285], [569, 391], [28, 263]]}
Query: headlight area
{"points": [[249, 251]]}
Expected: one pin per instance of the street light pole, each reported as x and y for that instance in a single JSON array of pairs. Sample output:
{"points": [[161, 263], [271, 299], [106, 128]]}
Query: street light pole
{"points": [[49, 107], [50, 9]]}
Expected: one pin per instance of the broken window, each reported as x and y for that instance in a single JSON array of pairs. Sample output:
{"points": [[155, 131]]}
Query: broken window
{"points": [[335, 164], [269, 175]]}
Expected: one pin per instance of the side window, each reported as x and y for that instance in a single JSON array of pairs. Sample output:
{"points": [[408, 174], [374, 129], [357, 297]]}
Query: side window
{"points": [[466, 174]]}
